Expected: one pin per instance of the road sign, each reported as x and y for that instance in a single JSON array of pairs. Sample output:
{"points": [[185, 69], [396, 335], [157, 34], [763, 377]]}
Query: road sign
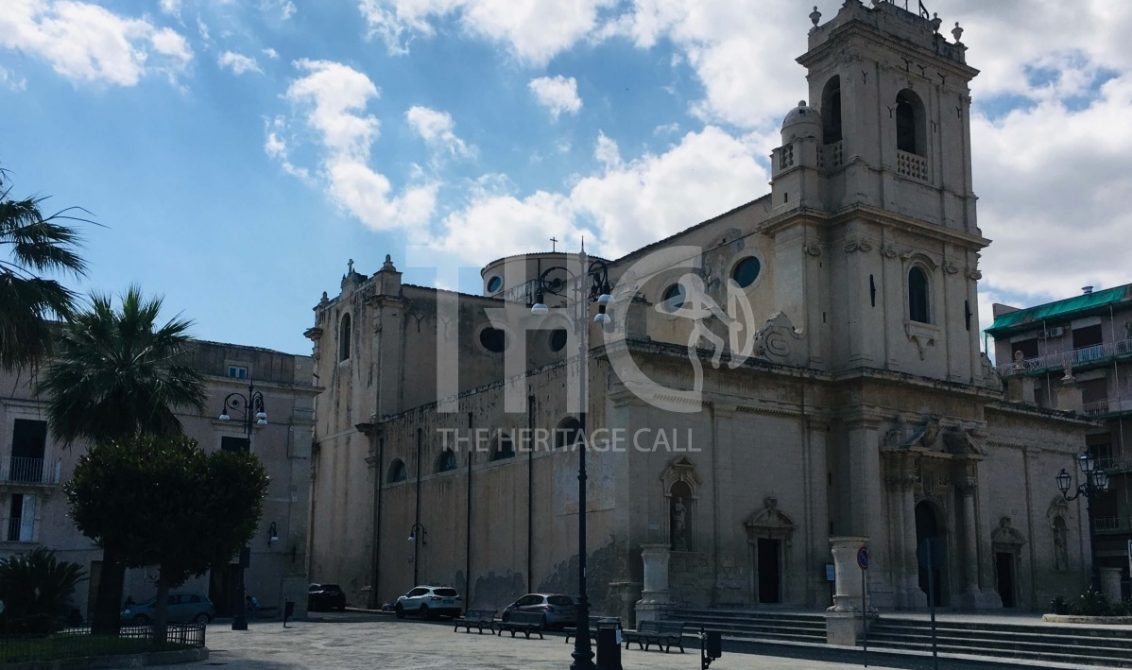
{"points": [[863, 558]]}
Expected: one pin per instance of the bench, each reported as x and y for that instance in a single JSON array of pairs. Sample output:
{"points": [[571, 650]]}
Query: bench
{"points": [[661, 633], [598, 623], [480, 619], [521, 622]]}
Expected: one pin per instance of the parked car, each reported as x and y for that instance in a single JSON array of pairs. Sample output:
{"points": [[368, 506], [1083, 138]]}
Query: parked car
{"points": [[183, 608], [429, 601], [557, 610], [325, 597]]}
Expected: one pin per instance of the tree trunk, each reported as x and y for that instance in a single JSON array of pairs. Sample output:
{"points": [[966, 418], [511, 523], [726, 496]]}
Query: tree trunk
{"points": [[107, 617], [161, 612]]}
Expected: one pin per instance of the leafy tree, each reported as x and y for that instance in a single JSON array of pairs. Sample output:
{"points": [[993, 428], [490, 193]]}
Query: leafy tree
{"points": [[163, 501], [31, 243], [36, 590], [116, 373]]}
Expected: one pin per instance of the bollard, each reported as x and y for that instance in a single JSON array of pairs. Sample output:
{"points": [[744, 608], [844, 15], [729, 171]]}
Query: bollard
{"points": [[608, 649], [288, 611], [711, 647]]}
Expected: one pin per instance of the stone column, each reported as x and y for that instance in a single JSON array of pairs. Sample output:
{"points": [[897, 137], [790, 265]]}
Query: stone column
{"points": [[655, 597], [845, 621], [909, 595], [626, 595], [971, 592]]}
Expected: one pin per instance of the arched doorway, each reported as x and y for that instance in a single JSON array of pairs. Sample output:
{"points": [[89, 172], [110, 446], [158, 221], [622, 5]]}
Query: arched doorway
{"points": [[931, 552]]}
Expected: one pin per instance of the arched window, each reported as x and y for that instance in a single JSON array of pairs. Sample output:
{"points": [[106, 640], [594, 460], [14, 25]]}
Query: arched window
{"points": [[397, 472], [831, 111], [446, 461], [918, 295], [344, 338], [505, 448], [568, 433], [911, 124]]}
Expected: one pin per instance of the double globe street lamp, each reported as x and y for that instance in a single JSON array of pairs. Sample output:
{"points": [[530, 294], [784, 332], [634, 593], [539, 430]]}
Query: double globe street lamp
{"points": [[1096, 483], [250, 408], [599, 292]]}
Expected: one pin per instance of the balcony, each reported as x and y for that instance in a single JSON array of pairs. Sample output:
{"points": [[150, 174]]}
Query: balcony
{"points": [[1098, 353], [1108, 525], [911, 166], [32, 471], [831, 156]]}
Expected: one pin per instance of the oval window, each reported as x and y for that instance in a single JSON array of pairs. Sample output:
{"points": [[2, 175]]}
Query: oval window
{"points": [[557, 339], [493, 339], [746, 271], [494, 284], [673, 298]]}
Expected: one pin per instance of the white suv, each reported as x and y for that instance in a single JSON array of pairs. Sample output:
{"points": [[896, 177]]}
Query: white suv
{"points": [[429, 601]]}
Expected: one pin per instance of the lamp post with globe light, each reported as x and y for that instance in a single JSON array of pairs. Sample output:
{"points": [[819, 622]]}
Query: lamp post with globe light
{"points": [[578, 312], [1096, 483], [250, 408]]}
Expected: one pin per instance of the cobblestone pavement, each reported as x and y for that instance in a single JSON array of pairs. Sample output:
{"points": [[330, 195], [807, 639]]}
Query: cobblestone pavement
{"points": [[378, 642]]}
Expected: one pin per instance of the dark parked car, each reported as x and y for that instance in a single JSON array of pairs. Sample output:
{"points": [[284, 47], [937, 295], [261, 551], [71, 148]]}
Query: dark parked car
{"points": [[183, 608], [325, 597], [557, 609]]}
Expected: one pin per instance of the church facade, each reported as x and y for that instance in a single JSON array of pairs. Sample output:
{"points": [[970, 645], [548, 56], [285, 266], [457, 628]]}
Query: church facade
{"points": [[804, 367]]}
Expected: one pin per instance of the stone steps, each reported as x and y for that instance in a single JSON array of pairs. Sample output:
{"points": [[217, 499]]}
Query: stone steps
{"points": [[1029, 643]]}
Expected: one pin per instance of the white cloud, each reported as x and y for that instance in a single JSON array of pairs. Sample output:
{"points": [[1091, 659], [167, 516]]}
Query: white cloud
{"points": [[85, 42], [238, 63], [12, 81], [626, 206], [171, 6], [437, 129], [558, 94], [533, 30], [332, 99], [284, 9], [271, 53]]}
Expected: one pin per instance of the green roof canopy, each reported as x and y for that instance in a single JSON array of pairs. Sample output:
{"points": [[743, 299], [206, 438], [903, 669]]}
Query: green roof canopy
{"points": [[1060, 309]]}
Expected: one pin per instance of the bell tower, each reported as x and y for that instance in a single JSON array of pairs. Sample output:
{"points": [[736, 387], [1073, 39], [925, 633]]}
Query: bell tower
{"points": [[872, 192]]}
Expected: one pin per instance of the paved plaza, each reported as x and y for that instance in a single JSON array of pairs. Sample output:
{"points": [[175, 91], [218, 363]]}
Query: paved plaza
{"points": [[351, 641], [385, 643]]}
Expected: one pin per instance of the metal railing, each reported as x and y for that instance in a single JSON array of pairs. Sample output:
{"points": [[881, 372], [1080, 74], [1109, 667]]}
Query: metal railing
{"points": [[1107, 523], [1078, 357], [17, 529], [80, 643], [24, 470]]}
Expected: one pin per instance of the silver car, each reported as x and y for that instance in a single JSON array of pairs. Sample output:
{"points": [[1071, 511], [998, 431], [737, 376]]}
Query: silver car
{"points": [[557, 609], [429, 602]]}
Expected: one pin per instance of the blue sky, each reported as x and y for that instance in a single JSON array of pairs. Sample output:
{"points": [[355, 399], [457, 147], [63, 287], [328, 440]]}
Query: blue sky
{"points": [[237, 153]]}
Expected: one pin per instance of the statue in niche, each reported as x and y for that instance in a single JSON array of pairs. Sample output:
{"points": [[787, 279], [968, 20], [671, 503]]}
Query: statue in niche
{"points": [[1060, 544], [679, 503]]}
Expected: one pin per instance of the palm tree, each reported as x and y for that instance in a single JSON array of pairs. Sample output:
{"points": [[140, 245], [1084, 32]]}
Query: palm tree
{"points": [[34, 243], [115, 374]]}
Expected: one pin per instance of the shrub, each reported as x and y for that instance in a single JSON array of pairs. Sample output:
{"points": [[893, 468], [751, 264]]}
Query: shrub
{"points": [[36, 590], [1059, 606]]}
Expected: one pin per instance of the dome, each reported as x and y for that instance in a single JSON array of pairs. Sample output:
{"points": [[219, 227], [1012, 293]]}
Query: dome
{"points": [[802, 121]]}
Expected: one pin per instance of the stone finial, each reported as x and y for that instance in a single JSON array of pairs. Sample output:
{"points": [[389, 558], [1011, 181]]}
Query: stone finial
{"points": [[388, 266], [957, 32], [350, 266], [325, 299], [936, 22], [815, 16]]}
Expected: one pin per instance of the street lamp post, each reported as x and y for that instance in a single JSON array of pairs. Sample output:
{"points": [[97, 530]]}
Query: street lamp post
{"points": [[416, 536], [1096, 483], [598, 273], [250, 408]]}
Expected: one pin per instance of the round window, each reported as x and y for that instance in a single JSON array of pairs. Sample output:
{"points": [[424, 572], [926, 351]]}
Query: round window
{"points": [[493, 339], [557, 339], [673, 298], [746, 271], [494, 284]]}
